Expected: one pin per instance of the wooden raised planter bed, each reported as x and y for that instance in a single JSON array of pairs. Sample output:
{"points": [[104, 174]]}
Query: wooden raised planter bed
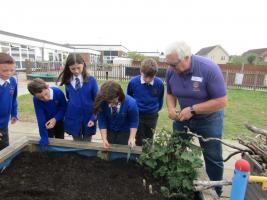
{"points": [[30, 144]]}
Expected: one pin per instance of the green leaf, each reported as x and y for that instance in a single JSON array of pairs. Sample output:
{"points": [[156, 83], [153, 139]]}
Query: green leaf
{"points": [[165, 191], [187, 184], [151, 163]]}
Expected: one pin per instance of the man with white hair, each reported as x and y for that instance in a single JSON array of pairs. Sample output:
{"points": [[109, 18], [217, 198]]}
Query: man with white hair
{"points": [[198, 85]]}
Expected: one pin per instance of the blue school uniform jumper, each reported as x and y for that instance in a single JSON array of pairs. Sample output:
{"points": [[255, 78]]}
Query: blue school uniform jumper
{"points": [[8, 108], [120, 122], [46, 110], [149, 98], [80, 108]]}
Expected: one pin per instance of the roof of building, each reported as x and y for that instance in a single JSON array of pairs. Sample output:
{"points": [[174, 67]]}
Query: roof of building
{"points": [[101, 47], [206, 50], [31, 38], [256, 51]]}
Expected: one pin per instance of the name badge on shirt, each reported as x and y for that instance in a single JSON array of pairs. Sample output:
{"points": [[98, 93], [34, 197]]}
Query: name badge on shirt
{"points": [[196, 78]]}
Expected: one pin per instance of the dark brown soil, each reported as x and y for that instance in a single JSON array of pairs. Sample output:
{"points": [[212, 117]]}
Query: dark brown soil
{"points": [[69, 176]]}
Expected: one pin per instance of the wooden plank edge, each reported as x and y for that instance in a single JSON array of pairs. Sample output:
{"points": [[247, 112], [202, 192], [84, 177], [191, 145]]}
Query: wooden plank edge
{"points": [[13, 148], [86, 145]]}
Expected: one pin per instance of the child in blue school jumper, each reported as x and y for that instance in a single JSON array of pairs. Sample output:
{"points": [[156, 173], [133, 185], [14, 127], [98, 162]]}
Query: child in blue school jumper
{"points": [[50, 106], [148, 91], [8, 97], [81, 90], [117, 115]]}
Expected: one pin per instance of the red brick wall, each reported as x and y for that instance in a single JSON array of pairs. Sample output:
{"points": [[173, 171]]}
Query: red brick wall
{"points": [[86, 57]]}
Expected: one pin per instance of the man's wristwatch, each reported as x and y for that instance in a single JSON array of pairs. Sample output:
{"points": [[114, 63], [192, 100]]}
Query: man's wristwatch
{"points": [[193, 112]]}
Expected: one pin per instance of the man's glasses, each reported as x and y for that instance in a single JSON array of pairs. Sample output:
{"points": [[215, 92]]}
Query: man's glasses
{"points": [[174, 64]]}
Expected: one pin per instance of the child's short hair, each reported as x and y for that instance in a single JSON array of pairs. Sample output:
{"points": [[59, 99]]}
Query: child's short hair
{"points": [[6, 59], [149, 67], [36, 86]]}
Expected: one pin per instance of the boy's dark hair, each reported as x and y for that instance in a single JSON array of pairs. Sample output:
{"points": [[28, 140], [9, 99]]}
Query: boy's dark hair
{"points": [[72, 59], [6, 59], [36, 86], [108, 91], [149, 67]]}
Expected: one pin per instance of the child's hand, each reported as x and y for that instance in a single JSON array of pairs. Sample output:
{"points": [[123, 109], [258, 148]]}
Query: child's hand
{"points": [[13, 120], [131, 142], [1, 135], [106, 144], [91, 123], [51, 123]]}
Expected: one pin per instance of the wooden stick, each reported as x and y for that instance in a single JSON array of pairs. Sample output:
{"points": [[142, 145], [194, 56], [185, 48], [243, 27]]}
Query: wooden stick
{"points": [[254, 129], [234, 153], [217, 139], [204, 185]]}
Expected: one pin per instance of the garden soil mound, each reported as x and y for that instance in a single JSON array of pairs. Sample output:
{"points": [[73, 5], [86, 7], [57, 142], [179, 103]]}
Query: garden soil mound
{"points": [[69, 176]]}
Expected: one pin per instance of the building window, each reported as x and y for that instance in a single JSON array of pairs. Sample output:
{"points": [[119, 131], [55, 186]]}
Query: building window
{"points": [[111, 53], [15, 53], [4, 43], [223, 58], [5, 49], [24, 54], [60, 57], [50, 56], [114, 53]]}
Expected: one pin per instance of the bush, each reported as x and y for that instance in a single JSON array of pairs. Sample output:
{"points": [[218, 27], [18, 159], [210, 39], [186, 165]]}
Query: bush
{"points": [[173, 161]]}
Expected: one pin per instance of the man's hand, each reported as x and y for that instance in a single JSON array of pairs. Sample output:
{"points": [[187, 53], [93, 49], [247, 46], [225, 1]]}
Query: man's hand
{"points": [[185, 114], [173, 114], [1, 135], [51, 123]]}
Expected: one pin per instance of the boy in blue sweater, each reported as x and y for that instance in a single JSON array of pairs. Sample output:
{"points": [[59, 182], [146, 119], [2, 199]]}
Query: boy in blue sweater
{"points": [[8, 96], [50, 105], [148, 91], [117, 115]]}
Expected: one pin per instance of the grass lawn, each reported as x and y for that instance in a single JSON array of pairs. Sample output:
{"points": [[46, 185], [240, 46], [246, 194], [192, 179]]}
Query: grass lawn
{"points": [[243, 106]]}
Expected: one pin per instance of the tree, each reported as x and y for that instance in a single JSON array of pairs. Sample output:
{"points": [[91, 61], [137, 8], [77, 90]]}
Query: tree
{"points": [[236, 60], [136, 56], [251, 58]]}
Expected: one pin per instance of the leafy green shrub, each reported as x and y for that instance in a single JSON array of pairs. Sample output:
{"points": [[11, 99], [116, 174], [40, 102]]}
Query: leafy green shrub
{"points": [[173, 161]]}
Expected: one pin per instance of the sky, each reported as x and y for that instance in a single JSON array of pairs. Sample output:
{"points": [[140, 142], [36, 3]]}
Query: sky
{"points": [[141, 25]]}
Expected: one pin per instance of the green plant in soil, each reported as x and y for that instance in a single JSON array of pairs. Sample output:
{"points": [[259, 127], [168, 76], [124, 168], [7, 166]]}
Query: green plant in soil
{"points": [[174, 162]]}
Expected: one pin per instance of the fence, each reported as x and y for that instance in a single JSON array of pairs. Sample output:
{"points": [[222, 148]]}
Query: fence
{"points": [[235, 79], [49, 71], [246, 80]]}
